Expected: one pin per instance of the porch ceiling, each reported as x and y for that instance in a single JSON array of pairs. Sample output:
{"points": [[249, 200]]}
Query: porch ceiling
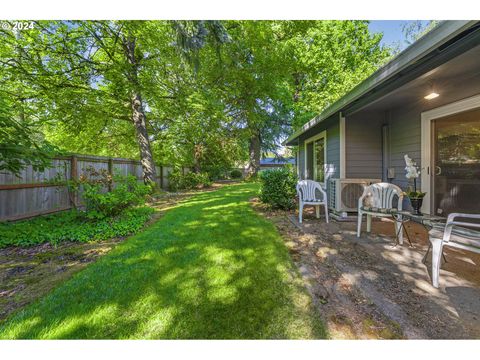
{"points": [[445, 79]]}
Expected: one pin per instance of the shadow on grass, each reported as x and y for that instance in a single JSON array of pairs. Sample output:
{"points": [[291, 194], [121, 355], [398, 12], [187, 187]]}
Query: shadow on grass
{"points": [[210, 268]]}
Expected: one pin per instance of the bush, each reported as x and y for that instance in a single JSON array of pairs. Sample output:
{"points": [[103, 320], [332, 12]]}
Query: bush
{"points": [[278, 188], [191, 180], [126, 193], [72, 226], [236, 174]]}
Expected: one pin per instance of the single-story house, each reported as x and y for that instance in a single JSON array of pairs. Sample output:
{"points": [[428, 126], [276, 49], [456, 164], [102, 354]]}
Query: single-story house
{"points": [[275, 162], [425, 103]]}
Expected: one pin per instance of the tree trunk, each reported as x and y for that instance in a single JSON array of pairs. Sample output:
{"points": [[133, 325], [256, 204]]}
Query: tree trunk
{"points": [[254, 154], [197, 153], [138, 114], [296, 94], [139, 121]]}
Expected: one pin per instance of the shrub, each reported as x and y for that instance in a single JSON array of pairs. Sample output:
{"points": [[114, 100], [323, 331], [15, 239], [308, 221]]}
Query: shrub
{"points": [[236, 174], [126, 192], [191, 180], [72, 226], [278, 188], [215, 172]]}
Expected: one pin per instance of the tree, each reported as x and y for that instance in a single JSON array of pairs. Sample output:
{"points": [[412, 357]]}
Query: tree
{"points": [[166, 90], [415, 29], [279, 74], [328, 58], [20, 143], [96, 75]]}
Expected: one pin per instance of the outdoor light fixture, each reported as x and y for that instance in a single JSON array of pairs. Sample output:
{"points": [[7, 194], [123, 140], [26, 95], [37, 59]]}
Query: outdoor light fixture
{"points": [[431, 96]]}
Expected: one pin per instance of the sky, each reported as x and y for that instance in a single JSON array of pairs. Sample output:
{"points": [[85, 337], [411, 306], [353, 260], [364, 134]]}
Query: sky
{"points": [[392, 31]]}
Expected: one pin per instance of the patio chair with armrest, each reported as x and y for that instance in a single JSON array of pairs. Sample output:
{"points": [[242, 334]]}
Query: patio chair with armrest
{"points": [[377, 201], [456, 234], [308, 191]]}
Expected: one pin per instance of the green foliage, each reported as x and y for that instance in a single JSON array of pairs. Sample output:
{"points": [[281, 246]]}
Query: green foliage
{"points": [[413, 194], [278, 188], [415, 29], [236, 174], [20, 143], [125, 193], [71, 226], [327, 59], [191, 180], [78, 77]]}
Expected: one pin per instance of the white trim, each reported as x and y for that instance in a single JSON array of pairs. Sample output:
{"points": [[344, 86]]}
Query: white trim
{"points": [[343, 165], [323, 135], [426, 139]]}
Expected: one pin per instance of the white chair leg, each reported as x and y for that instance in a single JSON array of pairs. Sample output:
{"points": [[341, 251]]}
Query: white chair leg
{"points": [[317, 211], [399, 231], [436, 260], [359, 223], [326, 213], [369, 223], [300, 213]]}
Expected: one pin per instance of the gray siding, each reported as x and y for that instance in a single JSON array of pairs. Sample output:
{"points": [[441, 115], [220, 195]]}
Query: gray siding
{"points": [[363, 145], [404, 138], [333, 150]]}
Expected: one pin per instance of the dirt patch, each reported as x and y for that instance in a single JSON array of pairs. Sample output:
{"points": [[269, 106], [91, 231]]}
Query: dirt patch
{"points": [[370, 288], [345, 311], [29, 273], [26, 274]]}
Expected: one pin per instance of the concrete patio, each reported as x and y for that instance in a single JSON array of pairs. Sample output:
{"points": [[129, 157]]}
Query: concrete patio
{"points": [[394, 279]]}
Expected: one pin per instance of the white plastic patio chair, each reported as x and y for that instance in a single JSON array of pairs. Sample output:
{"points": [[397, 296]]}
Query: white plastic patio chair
{"points": [[456, 234], [377, 201], [307, 195]]}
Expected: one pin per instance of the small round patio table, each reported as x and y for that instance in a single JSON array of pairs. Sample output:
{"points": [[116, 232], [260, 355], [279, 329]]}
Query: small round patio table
{"points": [[428, 221]]}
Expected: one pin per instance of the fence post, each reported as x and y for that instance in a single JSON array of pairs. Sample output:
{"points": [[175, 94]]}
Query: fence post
{"points": [[74, 177], [110, 172]]}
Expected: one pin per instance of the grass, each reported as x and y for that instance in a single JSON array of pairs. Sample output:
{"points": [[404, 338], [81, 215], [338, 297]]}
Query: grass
{"points": [[209, 268]]}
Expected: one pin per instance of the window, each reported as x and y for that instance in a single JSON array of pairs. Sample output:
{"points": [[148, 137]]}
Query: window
{"points": [[315, 157]]}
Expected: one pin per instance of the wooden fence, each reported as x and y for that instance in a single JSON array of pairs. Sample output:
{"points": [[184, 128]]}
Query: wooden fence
{"points": [[35, 193]]}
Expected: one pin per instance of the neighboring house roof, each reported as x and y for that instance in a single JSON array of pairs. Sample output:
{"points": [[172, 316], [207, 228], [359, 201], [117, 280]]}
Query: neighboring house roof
{"points": [[403, 62], [276, 161]]}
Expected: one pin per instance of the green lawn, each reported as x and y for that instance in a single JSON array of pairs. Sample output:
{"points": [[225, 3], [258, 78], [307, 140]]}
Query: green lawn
{"points": [[210, 268]]}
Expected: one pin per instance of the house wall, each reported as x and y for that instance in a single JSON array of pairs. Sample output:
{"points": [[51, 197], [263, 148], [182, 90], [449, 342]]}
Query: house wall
{"points": [[363, 145]]}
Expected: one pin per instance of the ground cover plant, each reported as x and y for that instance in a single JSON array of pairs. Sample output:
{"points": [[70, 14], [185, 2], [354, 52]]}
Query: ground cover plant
{"points": [[209, 268], [72, 226]]}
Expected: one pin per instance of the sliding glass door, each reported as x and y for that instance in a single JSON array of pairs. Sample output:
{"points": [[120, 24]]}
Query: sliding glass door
{"points": [[456, 163]]}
